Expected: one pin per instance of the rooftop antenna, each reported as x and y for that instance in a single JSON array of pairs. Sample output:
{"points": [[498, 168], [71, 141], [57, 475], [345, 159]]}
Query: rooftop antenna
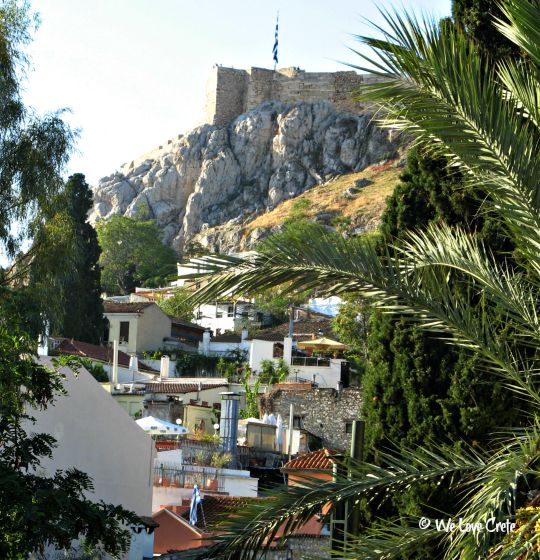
{"points": [[275, 49]]}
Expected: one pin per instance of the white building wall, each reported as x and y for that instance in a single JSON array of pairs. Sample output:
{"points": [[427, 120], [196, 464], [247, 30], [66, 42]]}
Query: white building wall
{"points": [[324, 376], [114, 330], [260, 350], [96, 436], [154, 326]]}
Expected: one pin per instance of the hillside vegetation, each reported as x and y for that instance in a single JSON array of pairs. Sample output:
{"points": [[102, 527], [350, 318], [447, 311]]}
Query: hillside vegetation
{"points": [[340, 197]]}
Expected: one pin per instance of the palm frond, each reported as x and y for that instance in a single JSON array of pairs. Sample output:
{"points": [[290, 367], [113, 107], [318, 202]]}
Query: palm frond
{"points": [[254, 527]]}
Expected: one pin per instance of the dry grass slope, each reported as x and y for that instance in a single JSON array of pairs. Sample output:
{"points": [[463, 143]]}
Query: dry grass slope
{"points": [[363, 208]]}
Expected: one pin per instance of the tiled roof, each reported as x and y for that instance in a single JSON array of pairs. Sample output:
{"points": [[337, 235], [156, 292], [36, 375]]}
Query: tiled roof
{"points": [[320, 460], [217, 508], [184, 323], [302, 330], [126, 307], [227, 337], [103, 354], [173, 387]]}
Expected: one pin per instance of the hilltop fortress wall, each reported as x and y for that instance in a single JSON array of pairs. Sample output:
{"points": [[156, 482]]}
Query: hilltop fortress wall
{"points": [[231, 92]]}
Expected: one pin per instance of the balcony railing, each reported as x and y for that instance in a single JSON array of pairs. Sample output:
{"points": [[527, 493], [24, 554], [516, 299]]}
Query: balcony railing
{"points": [[310, 361], [208, 478]]}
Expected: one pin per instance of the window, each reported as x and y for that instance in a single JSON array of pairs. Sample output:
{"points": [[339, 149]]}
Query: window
{"points": [[124, 332], [219, 313], [348, 427], [199, 314], [298, 422], [230, 311]]}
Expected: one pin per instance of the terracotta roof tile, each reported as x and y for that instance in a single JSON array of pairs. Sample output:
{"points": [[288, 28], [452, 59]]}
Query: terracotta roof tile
{"points": [[173, 387], [102, 354], [216, 508], [302, 330], [320, 460], [126, 307], [184, 323], [227, 337]]}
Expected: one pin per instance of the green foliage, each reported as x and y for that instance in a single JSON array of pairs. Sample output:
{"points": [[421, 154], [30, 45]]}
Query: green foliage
{"points": [[271, 373], [191, 364], [298, 210], [226, 369], [477, 19], [178, 305], [83, 308], [33, 149], [351, 326], [95, 369], [251, 394], [133, 255]]}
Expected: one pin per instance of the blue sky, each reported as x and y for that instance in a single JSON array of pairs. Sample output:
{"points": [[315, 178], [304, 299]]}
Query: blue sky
{"points": [[133, 72]]}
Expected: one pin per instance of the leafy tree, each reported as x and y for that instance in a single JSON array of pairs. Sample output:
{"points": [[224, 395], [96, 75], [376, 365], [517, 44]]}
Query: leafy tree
{"points": [[133, 255], [83, 307], [36, 510], [33, 149], [178, 305], [484, 119]]}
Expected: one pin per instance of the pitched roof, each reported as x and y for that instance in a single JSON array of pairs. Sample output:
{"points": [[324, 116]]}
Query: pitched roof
{"points": [[227, 337], [173, 387], [217, 508], [184, 323], [302, 330], [97, 353], [320, 460], [126, 307]]}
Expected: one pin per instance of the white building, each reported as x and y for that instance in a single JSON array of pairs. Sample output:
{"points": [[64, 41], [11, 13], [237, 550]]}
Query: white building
{"points": [[138, 326], [97, 437]]}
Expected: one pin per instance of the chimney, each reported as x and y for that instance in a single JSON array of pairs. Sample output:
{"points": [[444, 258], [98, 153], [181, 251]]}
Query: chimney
{"points": [[228, 423], [115, 363], [206, 342], [245, 334], [164, 369], [287, 350]]}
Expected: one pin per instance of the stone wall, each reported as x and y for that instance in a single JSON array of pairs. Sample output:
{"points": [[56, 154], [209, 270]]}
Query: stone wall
{"points": [[324, 412], [231, 92]]}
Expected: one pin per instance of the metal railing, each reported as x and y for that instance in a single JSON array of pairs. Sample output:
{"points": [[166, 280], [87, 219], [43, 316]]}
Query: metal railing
{"points": [[310, 361], [208, 478]]}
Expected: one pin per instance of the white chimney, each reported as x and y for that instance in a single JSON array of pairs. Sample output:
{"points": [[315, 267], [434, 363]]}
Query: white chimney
{"points": [[206, 342], [115, 363], [164, 369], [287, 350]]}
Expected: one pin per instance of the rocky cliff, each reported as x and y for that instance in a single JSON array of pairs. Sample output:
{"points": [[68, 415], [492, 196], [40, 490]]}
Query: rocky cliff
{"points": [[217, 176]]}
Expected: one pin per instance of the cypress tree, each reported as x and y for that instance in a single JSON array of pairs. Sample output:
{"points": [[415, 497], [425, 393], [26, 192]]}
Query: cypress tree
{"points": [[83, 308]]}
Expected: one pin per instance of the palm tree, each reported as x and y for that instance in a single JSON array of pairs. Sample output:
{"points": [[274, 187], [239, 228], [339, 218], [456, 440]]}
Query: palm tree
{"points": [[486, 121]]}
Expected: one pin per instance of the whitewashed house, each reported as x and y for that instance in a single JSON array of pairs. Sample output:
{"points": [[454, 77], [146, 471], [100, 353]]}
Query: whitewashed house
{"points": [[97, 437]]}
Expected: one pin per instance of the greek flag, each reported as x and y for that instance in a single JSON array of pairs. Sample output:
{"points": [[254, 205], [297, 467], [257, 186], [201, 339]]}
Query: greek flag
{"points": [[274, 50], [195, 501]]}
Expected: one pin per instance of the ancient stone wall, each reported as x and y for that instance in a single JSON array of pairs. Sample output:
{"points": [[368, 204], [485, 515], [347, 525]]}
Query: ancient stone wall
{"points": [[225, 94], [325, 413], [231, 92]]}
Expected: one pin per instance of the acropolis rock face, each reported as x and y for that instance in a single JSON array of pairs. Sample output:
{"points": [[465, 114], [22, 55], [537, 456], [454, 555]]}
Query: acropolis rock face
{"points": [[217, 174]]}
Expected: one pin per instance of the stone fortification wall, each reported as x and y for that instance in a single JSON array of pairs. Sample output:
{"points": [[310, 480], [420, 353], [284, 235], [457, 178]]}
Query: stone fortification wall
{"points": [[231, 92], [324, 412]]}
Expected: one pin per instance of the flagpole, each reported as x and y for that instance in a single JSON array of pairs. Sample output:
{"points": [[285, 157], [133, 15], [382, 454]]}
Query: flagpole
{"points": [[275, 48]]}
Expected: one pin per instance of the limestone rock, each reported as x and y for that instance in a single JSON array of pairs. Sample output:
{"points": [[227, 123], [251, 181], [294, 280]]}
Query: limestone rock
{"points": [[202, 185]]}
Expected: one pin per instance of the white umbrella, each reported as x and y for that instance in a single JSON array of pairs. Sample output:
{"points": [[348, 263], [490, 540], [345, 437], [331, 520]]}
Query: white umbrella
{"points": [[279, 432], [156, 426]]}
